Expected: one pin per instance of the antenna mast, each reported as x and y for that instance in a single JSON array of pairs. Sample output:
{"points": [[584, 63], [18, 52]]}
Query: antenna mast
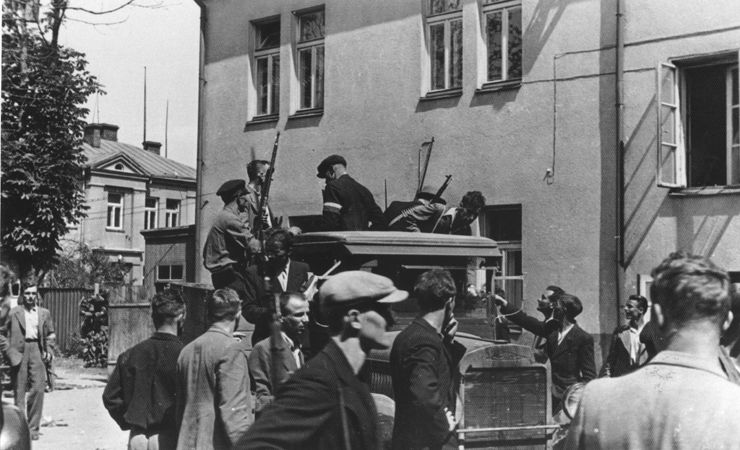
{"points": [[144, 103], [166, 123]]}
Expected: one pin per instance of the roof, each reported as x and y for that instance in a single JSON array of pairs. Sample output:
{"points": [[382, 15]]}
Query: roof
{"points": [[390, 243], [143, 161]]}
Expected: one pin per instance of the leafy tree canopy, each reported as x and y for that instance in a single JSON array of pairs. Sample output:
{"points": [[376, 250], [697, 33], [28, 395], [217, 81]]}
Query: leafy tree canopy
{"points": [[44, 88]]}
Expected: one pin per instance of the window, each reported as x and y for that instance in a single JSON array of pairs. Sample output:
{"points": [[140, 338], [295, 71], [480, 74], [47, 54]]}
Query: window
{"points": [[267, 66], [115, 211], [699, 122], [504, 225], [150, 214], [169, 272], [444, 43], [172, 213], [502, 22], [310, 49]]}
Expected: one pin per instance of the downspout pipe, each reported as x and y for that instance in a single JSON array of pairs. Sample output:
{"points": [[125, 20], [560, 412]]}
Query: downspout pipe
{"points": [[619, 128], [201, 121]]}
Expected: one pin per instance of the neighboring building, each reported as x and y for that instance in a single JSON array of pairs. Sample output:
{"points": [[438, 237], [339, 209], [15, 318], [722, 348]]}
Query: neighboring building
{"points": [[170, 256], [522, 99], [129, 189]]}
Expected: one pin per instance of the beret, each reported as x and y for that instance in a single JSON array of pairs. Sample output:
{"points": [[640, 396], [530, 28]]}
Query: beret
{"points": [[358, 285], [328, 162], [231, 186]]}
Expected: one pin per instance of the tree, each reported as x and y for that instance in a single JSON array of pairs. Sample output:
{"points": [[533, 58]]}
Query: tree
{"points": [[80, 266]]}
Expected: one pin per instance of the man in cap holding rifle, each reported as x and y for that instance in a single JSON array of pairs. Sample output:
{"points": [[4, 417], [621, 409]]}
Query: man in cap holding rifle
{"points": [[325, 405]]}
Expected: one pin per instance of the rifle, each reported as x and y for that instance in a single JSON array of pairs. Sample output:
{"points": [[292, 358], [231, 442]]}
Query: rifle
{"points": [[441, 190], [423, 174], [259, 225]]}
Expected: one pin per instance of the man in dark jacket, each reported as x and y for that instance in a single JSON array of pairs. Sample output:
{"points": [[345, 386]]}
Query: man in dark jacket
{"points": [[423, 362], [325, 405], [348, 205], [419, 215], [141, 393], [627, 352], [569, 348], [277, 274]]}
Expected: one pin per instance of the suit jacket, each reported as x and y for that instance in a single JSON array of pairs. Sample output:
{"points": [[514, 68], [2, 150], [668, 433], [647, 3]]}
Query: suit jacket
{"points": [[618, 361], [652, 338], [676, 401], [141, 392], [17, 332], [425, 380], [571, 361], [320, 407], [198, 396], [260, 366], [350, 206], [235, 406], [258, 305]]}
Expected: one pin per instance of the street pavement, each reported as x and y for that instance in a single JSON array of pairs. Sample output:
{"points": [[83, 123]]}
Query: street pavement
{"points": [[76, 419]]}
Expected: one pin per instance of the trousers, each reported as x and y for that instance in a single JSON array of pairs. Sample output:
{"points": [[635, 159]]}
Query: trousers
{"points": [[31, 372]]}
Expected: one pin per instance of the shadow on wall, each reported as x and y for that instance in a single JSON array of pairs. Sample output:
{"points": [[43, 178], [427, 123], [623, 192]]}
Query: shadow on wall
{"points": [[703, 221]]}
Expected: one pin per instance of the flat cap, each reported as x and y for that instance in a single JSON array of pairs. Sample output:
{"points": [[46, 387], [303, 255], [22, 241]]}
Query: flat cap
{"points": [[357, 286], [230, 187], [328, 162]]}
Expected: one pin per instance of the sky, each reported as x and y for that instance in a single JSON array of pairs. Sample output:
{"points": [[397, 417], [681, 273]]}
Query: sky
{"points": [[119, 45]]}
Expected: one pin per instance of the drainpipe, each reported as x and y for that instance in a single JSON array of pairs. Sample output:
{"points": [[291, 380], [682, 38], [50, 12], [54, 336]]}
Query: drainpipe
{"points": [[201, 120], [619, 125]]}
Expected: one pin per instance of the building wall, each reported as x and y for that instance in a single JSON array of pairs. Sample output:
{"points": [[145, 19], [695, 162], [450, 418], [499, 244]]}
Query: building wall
{"points": [[704, 221], [172, 246], [561, 117]]}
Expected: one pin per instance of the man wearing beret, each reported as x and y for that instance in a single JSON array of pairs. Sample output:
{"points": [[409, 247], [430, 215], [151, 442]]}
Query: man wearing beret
{"points": [[348, 205], [226, 250], [325, 405]]}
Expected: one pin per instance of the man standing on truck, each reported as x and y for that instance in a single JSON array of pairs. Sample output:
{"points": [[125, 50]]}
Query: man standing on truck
{"points": [[325, 405], [682, 398], [424, 361], [419, 215], [348, 205]]}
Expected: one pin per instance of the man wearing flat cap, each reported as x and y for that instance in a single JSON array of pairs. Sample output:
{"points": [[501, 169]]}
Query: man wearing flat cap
{"points": [[325, 405], [225, 253], [348, 205]]}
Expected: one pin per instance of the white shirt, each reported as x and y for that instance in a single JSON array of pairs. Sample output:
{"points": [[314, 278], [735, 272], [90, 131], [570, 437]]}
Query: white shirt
{"points": [[283, 277], [564, 332], [295, 350], [32, 323], [636, 347]]}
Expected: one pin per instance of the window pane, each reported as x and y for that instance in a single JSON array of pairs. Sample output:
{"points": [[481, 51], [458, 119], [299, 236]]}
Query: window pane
{"points": [[493, 35], [305, 71], [437, 53], [262, 86], [319, 98], [515, 43], [114, 198], [268, 35], [667, 87], [442, 6], [668, 116], [163, 272], [734, 87], [311, 26], [176, 273], [151, 202], [275, 85], [109, 220], [456, 53], [117, 217], [668, 164], [173, 204], [735, 125]]}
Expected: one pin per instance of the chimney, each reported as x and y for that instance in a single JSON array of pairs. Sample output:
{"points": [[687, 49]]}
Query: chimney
{"points": [[152, 146], [94, 132]]}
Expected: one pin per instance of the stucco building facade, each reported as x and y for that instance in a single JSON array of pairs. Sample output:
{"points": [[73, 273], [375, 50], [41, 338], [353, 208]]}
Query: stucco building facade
{"points": [[129, 189], [549, 108]]}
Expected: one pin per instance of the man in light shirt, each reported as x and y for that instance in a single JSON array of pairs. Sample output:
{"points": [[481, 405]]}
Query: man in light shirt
{"points": [[31, 337], [293, 323], [627, 352]]}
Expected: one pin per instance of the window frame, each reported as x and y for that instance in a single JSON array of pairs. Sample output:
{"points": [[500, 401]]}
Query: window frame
{"points": [[150, 214], [269, 54], [117, 206], [172, 215], [503, 7], [445, 18], [680, 167], [169, 272], [311, 45]]}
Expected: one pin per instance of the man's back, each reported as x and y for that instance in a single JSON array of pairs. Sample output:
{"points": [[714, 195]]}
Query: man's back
{"points": [[677, 401], [196, 373], [141, 391], [354, 203]]}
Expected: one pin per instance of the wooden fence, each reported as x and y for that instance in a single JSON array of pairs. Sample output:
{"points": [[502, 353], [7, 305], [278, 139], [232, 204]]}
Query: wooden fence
{"points": [[64, 307], [129, 320]]}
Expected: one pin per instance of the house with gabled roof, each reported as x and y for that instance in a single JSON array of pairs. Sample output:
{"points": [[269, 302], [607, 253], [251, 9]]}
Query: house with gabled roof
{"points": [[128, 190]]}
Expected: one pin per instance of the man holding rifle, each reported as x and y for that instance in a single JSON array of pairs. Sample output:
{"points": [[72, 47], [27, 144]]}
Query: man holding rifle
{"points": [[419, 215]]}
